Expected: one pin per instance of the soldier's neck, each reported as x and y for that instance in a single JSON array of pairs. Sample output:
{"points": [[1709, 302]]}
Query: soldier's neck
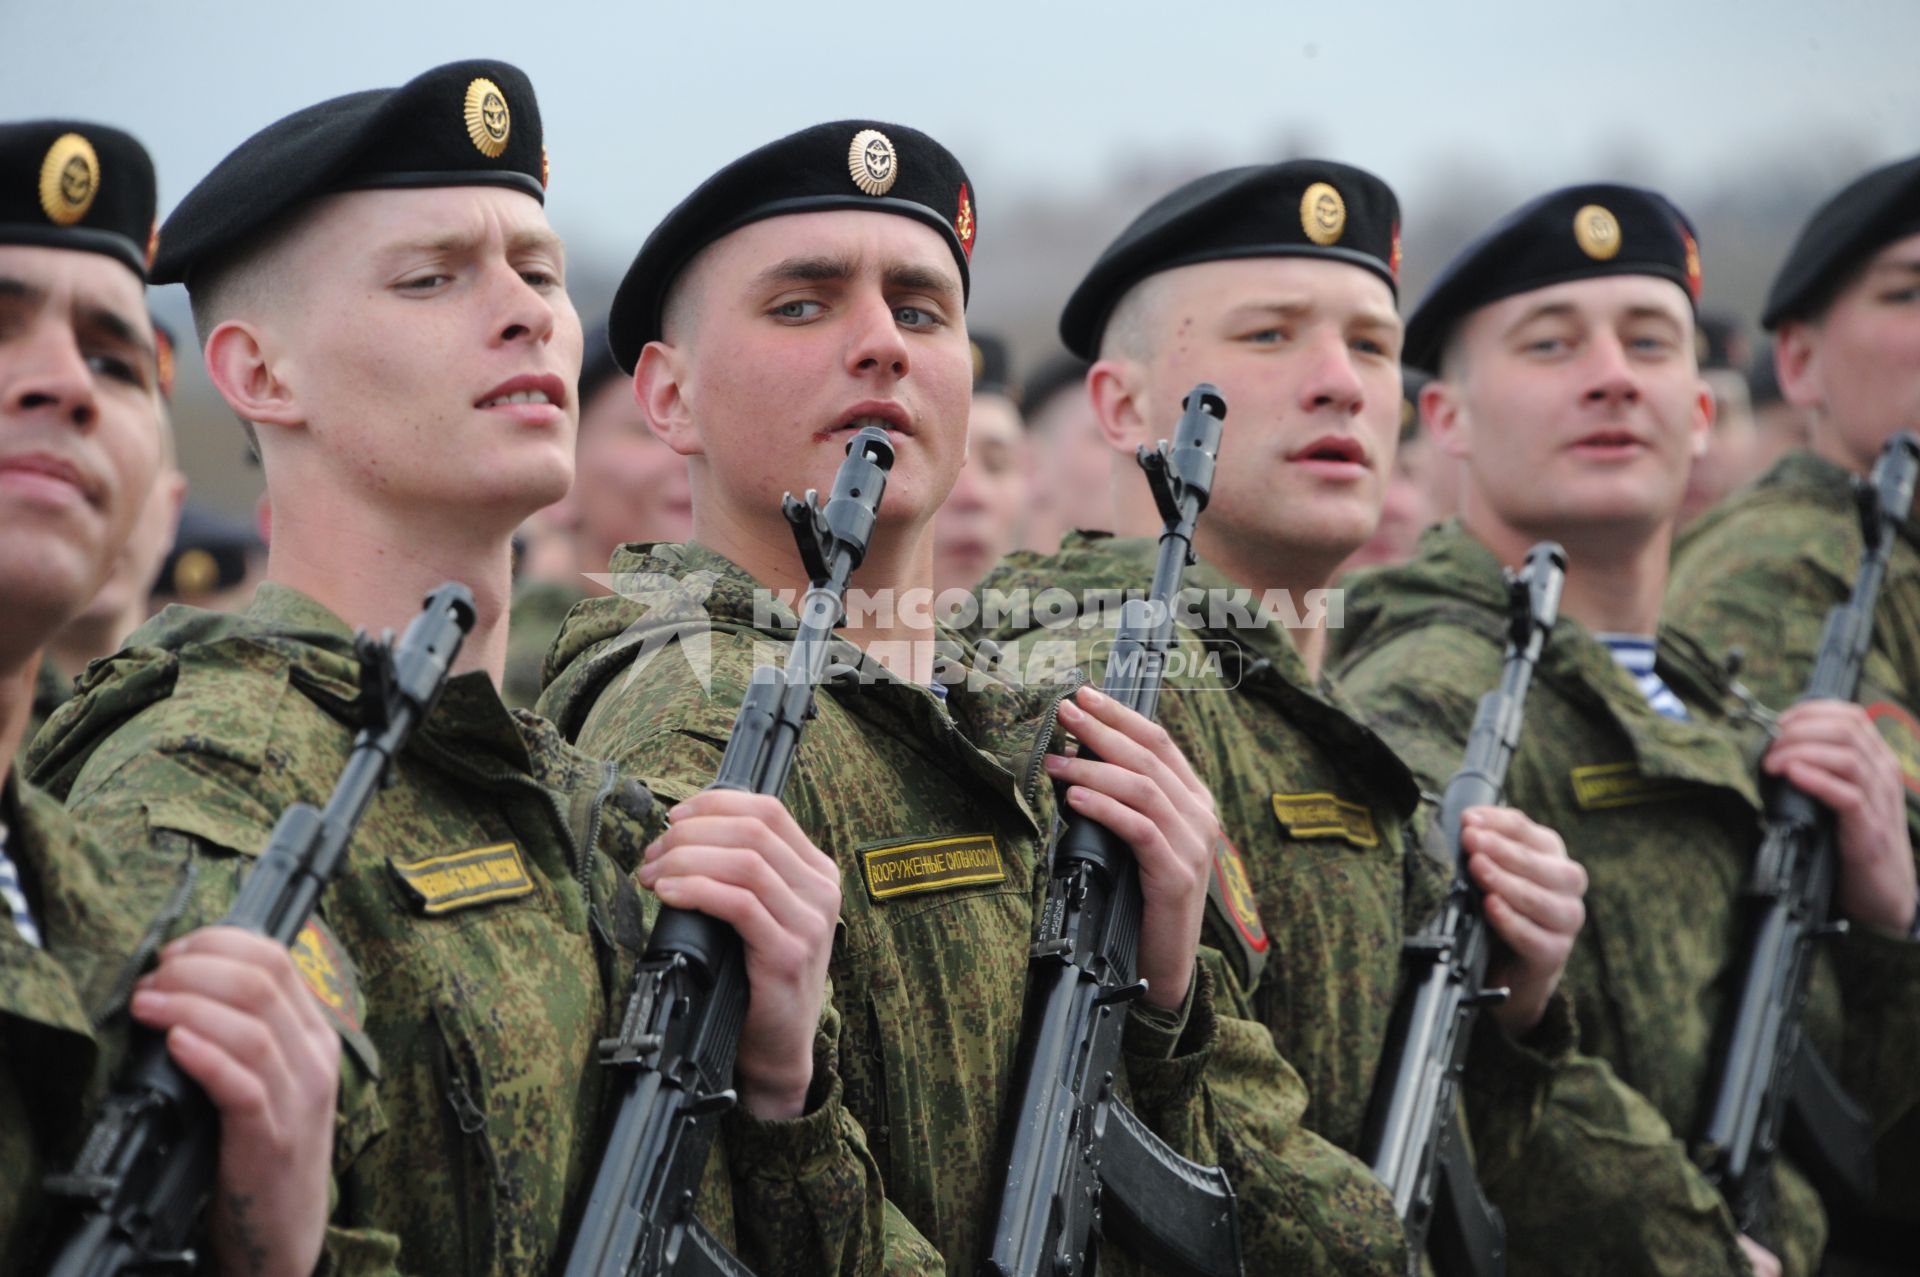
{"points": [[1616, 577], [888, 595], [374, 573]]}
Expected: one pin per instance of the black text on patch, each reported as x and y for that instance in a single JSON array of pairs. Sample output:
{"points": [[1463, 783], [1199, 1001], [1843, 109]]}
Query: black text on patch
{"points": [[442, 884], [935, 865], [1324, 816]]}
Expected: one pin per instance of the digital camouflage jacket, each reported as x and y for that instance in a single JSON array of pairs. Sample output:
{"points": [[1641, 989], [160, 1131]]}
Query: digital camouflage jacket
{"points": [[470, 955], [54, 1044], [1759, 573], [937, 815], [1664, 815]]}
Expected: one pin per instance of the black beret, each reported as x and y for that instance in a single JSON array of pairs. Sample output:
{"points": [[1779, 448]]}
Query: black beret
{"points": [[210, 552], [992, 367], [473, 123], [69, 184], [1577, 232], [1872, 212], [1062, 374], [1302, 208], [857, 164]]}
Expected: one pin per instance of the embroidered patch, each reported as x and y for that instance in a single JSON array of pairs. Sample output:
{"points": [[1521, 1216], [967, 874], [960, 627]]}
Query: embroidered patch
{"points": [[317, 954], [1603, 785], [443, 884], [1236, 893], [1324, 816], [934, 865], [1901, 731]]}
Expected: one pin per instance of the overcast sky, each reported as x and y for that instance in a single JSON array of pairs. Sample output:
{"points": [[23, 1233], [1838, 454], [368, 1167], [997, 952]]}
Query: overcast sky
{"points": [[642, 100]]}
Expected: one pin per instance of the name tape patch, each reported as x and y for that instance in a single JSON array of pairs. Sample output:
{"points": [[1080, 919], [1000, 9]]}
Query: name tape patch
{"points": [[1603, 785], [1324, 816], [465, 878], [935, 865]]}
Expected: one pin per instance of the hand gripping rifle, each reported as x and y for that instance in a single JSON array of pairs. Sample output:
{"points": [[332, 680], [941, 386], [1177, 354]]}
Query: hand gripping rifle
{"points": [[1413, 1137], [134, 1195], [675, 1050], [1079, 1164], [1768, 1071]]}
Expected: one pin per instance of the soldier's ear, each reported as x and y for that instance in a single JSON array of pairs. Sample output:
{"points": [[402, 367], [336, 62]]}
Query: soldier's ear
{"points": [[242, 368], [1796, 363], [660, 385], [1445, 415], [1116, 388]]}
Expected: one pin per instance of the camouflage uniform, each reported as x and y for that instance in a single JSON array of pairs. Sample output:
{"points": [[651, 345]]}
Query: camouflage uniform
{"points": [[469, 955], [1316, 808], [928, 968], [51, 1056], [539, 609], [1664, 815], [1760, 573]]}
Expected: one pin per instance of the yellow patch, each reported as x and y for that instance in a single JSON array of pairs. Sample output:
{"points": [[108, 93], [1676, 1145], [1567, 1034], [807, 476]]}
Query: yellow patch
{"points": [[1324, 816], [318, 958], [443, 884], [488, 120], [1603, 785], [1901, 731], [1236, 892], [1323, 214], [69, 179], [934, 865], [1597, 232]]}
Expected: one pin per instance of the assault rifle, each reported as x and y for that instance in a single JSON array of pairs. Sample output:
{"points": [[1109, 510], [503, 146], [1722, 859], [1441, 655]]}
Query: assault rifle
{"points": [[1413, 1140], [1079, 1165], [135, 1193], [674, 1053], [1771, 1081]]}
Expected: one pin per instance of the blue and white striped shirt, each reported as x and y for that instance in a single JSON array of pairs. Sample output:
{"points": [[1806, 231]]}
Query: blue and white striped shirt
{"points": [[14, 898], [1635, 654]]}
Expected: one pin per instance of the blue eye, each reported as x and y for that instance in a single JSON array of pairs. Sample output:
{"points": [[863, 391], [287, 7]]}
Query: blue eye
{"points": [[916, 317], [798, 309]]}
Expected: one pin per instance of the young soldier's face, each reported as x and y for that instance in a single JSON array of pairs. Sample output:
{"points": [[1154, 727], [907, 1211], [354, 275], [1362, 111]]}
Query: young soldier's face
{"points": [[1576, 405], [434, 353], [1307, 354], [796, 329], [981, 518], [1858, 366], [79, 430], [630, 486]]}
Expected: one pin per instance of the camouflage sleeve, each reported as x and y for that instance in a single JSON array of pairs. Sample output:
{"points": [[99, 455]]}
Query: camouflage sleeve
{"points": [[1508, 1081], [1425, 717], [1603, 1187], [1752, 608], [807, 1194], [161, 810], [1880, 986], [1306, 1206]]}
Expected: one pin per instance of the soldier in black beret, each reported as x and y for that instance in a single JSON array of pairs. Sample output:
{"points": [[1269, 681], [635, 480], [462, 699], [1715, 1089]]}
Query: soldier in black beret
{"points": [[1763, 570], [80, 445], [1569, 385], [812, 287], [981, 518], [1278, 283], [383, 303]]}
